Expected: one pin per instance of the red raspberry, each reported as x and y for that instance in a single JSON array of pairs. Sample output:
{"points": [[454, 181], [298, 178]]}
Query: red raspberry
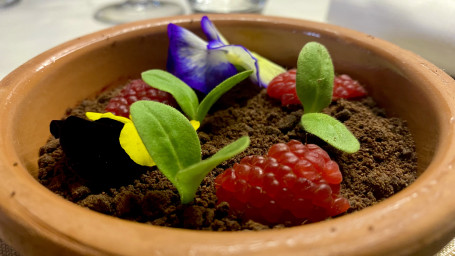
{"points": [[294, 183], [282, 87], [137, 90], [345, 87]]}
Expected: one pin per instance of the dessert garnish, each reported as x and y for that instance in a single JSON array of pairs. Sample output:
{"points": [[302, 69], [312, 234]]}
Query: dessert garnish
{"points": [[314, 86], [93, 147], [76, 133], [174, 145], [347, 88], [128, 138], [185, 96], [203, 65], [292, 184], [282, 87]]}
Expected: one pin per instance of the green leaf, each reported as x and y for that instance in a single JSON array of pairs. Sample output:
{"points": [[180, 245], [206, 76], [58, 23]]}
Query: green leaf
{"points": [[331, 131], [183, 94], [168, 136], [314, 78], [189, 179], [218, 91]]}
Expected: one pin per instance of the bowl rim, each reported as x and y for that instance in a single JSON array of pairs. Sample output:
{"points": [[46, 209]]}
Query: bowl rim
{"points": [[23, 193]]}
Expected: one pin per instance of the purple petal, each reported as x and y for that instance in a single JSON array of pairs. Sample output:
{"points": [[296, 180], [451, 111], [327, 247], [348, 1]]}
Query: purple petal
{"points": [[212, 34], [190, 60], [264, 69], [214, 45]]}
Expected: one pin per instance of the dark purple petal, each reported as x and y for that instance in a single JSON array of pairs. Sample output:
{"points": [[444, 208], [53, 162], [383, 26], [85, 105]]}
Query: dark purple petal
{"points": [[190, 60]]}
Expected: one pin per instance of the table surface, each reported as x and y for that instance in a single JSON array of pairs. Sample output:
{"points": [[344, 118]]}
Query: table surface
{"points": [[31, 27]]}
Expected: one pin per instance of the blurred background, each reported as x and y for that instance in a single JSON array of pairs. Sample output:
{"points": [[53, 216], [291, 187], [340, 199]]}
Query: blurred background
{"points": [[29, 27]]}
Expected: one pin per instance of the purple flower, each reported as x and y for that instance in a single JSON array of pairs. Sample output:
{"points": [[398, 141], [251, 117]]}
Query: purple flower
{"points": [[203, 65], [190, 60]]}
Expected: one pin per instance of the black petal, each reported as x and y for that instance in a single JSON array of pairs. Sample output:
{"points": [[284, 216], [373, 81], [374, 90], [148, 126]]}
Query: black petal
{"points": [[93, 148]]}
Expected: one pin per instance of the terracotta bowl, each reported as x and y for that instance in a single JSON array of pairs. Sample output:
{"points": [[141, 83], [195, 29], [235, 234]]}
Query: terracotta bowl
{"points": [[419, 220]]}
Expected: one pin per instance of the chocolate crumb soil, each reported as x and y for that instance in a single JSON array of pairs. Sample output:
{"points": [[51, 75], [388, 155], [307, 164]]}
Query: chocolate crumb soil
{"points": [[385, 164]]}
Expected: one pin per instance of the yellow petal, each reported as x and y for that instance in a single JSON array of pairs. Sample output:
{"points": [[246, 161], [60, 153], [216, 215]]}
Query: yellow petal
{"points": [[195, 124], [129, 137], [133, 145], [95, 116]]}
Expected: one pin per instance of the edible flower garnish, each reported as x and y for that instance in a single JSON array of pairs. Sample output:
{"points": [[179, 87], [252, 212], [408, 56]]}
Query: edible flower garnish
{"points": [[174, 146], [93, 148], [129, 138], [185, 96], [314, 85], [203, 65]]}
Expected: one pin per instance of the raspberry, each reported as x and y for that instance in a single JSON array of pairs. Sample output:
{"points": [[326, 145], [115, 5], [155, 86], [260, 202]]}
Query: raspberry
{"points": [[137, 90], [345, 87], [282, 87], [292, 184]]}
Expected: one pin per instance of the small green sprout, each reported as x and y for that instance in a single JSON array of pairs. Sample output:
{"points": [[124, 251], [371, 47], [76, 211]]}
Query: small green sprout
{"points": [[185, 95], [174, 146], [314, 85]]}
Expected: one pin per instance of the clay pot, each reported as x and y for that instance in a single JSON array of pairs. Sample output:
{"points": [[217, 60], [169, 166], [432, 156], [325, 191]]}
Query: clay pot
{"points": [[417, 220]]}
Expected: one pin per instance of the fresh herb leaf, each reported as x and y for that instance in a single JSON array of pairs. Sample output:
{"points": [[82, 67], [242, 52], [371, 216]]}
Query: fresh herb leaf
{"points": [[168, 136], [315, 74], [331, 131], [218, 91], [174, 145], [190, 178], [314, 85], [182, 93], [185, 96]]}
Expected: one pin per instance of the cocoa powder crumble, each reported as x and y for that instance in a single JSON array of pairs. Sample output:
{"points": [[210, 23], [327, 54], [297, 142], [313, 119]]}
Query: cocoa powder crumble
{"points": [[385, 164]]}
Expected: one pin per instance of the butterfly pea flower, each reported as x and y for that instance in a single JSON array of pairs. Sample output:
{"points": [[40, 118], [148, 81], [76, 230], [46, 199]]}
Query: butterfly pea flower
{"points": [[204, 64]]}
